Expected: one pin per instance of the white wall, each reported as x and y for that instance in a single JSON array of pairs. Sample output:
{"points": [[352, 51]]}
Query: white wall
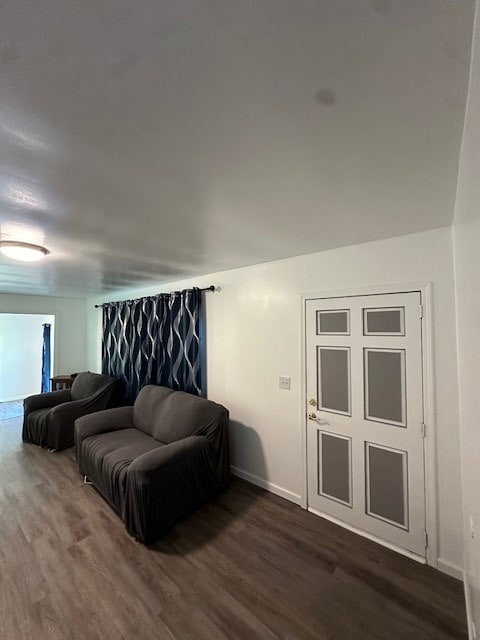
{"points": [[466, 235], [21, 346], [70, 349], [253, 336]]}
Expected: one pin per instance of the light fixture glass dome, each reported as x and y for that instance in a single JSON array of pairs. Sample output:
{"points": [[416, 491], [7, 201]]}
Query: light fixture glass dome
{"points": [[23, 251]]}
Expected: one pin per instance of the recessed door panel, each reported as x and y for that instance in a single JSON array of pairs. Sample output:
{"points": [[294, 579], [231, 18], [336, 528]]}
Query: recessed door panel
{"points": [[384, 322], [386, 481], [385, 385], [333, 379], [334, 471], [333, 322]]}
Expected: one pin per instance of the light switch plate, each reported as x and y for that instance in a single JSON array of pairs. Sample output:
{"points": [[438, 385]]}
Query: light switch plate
{"points": [[284, 383]]}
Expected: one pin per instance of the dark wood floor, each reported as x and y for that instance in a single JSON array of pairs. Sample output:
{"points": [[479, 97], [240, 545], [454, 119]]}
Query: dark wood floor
{"points": [[250, 565]]}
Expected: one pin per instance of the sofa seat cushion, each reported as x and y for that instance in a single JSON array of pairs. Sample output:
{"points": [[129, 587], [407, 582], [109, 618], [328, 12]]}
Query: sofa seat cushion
{"points": [[107, 457]]}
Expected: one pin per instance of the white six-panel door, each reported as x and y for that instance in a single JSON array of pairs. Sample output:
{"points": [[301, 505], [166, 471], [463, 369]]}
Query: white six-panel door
{"points": [[364, 408]]}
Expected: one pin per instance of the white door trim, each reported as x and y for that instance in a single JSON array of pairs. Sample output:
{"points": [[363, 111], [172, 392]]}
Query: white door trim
{"points": [[426, 291]]}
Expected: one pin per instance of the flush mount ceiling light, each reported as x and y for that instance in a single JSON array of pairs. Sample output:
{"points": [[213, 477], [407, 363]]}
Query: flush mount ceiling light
{"points": [[23, 250]]}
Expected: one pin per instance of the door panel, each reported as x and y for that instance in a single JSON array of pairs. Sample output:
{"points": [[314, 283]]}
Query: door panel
{"points": [[335, 470], [333, 379], [333, 322], [384, 380], [364, 410], [386, 476], [384, 322]]}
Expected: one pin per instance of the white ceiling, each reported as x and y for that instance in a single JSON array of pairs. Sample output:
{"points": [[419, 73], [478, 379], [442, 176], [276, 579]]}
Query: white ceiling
{"points": [[152, 140]]}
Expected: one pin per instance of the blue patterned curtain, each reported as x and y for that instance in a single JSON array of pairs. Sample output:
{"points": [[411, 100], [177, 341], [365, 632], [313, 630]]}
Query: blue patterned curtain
{"points": [[46, 355], [154, 340]]}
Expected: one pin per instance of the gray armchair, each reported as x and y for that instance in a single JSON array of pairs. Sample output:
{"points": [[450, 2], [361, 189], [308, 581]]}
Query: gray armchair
{"points": [[49, 417]]}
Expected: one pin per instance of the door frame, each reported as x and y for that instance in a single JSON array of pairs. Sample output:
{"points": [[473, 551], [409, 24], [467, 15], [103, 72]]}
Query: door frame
{"points": [[56, 323], [431, 512]]}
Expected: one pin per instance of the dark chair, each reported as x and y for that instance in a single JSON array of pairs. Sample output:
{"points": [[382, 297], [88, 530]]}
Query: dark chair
{"points": [[49, 417], [156, 461]]}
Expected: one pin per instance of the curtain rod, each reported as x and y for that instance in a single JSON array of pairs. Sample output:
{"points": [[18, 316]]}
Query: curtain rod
{"points": [[106, 304]]}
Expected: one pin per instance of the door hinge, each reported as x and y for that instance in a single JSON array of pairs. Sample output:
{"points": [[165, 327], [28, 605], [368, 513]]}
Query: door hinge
{"points": [[421, 311], [424, 430], [426, 540]]}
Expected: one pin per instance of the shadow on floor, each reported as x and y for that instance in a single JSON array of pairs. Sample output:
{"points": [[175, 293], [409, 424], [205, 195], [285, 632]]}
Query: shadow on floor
{"points": [[219, 516]]}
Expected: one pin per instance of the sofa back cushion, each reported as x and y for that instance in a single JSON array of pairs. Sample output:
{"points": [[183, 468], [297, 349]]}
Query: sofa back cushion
{"points": [[86, 384], [169, 415]]}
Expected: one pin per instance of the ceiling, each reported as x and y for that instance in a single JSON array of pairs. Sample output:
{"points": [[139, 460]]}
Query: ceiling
{"points": [[149, 141]]}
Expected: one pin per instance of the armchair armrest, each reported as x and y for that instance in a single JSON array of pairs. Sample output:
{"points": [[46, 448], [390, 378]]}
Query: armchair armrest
{"points": [[45, 400], [101, 422]]}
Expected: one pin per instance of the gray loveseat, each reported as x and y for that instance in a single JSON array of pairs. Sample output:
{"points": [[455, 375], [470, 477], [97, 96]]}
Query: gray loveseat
{"points": [[156, 461], [49, 417]]}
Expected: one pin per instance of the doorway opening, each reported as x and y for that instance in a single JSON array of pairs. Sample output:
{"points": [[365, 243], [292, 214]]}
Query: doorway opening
{"points": [[26, 359]]}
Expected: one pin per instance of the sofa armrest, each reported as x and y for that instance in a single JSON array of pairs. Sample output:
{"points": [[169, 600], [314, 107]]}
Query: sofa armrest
{"points": [[101, 422], [45, 400], [177, 454], [167, 483]]}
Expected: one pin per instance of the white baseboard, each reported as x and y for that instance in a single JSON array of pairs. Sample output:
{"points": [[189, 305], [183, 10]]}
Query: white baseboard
{"points": [[265, 484], [449, 568]]}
